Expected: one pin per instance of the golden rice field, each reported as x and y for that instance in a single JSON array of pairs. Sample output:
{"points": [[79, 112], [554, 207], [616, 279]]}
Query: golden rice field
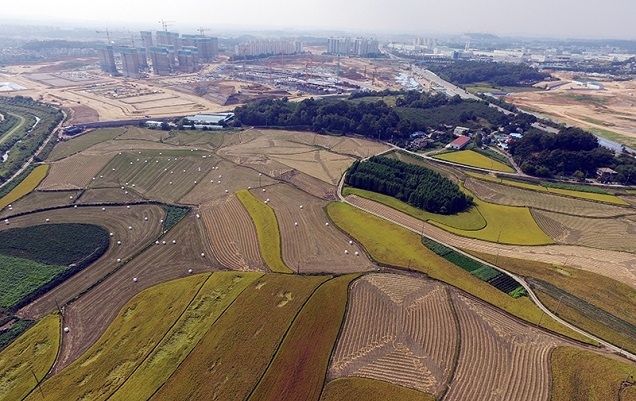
{"points": [[33, 353], [474, 159], [26, 186], [266, 229], [606, 198], [513, 196]]}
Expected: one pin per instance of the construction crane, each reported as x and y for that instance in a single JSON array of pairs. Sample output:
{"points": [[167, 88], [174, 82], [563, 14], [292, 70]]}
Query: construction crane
{"points": [[202, 31], [107, 35], [166, 24]]}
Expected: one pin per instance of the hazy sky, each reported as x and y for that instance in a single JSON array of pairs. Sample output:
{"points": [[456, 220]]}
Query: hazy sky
{"points": [[556, 18]]}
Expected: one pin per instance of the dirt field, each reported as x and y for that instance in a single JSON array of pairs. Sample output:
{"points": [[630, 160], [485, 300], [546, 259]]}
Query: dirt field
{"points": [[611, 109]]}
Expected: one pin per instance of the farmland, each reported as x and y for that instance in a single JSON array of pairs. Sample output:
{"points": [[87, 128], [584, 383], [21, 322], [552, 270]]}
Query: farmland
{"points": [[20, 277], [26, 186], [33, 353], [186, 301], [474, 159]]}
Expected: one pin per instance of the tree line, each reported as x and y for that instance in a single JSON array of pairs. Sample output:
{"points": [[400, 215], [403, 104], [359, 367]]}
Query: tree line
{"points": [[418, 186], [462, 72]]}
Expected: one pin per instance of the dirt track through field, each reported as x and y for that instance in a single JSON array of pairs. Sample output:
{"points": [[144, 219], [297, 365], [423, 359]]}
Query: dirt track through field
{"points": [[620, 266]]}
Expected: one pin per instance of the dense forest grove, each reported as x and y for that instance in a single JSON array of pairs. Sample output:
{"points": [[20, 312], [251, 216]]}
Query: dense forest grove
{"points": [[571, 152], [462, 72], [415, 185]]}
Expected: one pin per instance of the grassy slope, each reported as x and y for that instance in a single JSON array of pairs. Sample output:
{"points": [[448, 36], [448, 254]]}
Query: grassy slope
{"points": [[300, 365], [579, 375], [392, 245], [26, 186], [34, 351], [474, 159], [218, 292], [20, 277], [234, 354], [615, 297], [267, 230], [137, 329], [358, 388], [469, 220]]}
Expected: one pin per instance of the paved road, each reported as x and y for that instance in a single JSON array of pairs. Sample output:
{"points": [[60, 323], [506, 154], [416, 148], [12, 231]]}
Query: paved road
{"points": [[521, 281]]}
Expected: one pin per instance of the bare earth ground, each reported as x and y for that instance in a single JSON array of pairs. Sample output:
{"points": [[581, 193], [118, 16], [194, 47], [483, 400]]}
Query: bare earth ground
{"points": [[612, 109]]}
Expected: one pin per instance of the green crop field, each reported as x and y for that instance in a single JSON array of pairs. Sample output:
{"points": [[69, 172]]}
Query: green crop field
{"points": [[468, 220], [55, 244], [218, 292], [242, 342], [20, 277], [298, 370], [33, 353], [474, 159], [358, 388], [393, 245], [136, 331], [26, 186], [266, 229], [583, 375]]}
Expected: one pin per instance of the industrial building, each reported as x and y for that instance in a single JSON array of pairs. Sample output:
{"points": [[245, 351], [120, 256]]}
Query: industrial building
{"points": [[107, 60]]}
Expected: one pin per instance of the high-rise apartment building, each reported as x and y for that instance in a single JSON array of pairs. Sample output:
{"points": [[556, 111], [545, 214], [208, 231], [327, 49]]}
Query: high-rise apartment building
{"points": [[107, 60], [165, 38], [130, 62], [146, 39], [361, 47], [160, 57], [188, 57]]}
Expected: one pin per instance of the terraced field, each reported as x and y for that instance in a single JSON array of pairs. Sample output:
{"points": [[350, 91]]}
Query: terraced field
{"points": [[32, 354], [232, 234], [618, 233], [474, 159], [74, 172], [398, 329], [507, 195], [310, 242], [115, 219], [182, 251]]}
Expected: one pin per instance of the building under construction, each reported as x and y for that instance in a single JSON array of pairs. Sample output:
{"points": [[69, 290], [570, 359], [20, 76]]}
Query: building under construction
{"points": [[130, 60], [188, 57], [160, 57], [107, 59]]}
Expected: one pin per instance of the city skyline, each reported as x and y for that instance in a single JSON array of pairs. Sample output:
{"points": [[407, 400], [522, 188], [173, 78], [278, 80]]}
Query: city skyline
{"points": [[538, 18]]}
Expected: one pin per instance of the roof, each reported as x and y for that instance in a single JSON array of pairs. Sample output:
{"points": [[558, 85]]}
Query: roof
{"points": [[461, 141]]}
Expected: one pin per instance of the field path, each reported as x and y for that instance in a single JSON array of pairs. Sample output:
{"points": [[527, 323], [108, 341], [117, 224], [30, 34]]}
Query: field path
{"points": [[17, 127]]}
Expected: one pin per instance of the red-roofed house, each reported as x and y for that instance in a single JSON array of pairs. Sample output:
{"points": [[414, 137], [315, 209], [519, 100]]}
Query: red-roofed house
{"points": [[459, 143]]}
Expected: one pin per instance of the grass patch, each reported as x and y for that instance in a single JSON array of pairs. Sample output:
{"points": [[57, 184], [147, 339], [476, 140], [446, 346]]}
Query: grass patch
{"points": [[299, 368], [393, 245], [266, 229], [586, 98], [218, 292], [173, 215], [359, 388], [28, 184], [55, 244], [233, 355], [613, 136], [21, 277], [468, 220], [474, 159], [137, 329], [584, 375], [34, 351], [85, 141]]}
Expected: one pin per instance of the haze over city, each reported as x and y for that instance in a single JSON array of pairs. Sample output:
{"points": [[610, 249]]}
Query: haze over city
{"points": [[538, 18]]}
